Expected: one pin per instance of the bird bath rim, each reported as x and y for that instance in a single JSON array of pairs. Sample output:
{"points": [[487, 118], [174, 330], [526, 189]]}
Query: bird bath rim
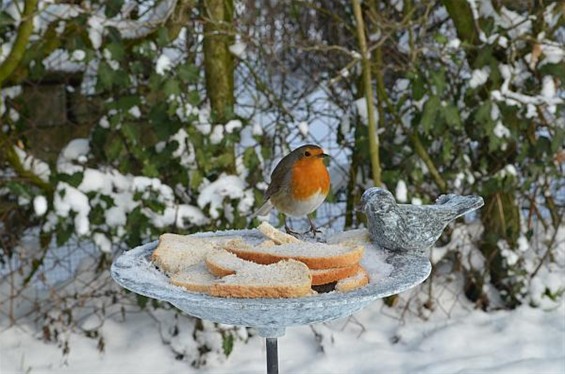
{"points": [[134, 271]]}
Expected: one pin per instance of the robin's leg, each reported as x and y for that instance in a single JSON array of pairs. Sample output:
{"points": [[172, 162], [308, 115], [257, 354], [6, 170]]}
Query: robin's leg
{"points": [[288, 229], [313, 228]]}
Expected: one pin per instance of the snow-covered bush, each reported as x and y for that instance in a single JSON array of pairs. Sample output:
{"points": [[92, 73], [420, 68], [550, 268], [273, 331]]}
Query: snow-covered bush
{"points": [[480, 108], [153, 158]]}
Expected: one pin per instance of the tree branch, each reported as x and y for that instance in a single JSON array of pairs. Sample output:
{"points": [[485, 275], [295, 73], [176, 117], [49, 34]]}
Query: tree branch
{"points": [[20, 44]]}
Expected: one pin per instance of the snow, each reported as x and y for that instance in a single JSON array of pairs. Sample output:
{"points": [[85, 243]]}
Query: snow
{"points": [[163, 64], [217, 134], [68, 199], [401, 192], [36, 166], [232, 125], [238, 49], [78, 55], [303, 128], [135, 111], [526, 340], [230, 186], [95, 31], [479, 77], [501, 131], [361, 105], [40, 205]]}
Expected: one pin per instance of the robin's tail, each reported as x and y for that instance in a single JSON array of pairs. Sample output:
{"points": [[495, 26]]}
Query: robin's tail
{"points": [[459, 205], [265, 208]]}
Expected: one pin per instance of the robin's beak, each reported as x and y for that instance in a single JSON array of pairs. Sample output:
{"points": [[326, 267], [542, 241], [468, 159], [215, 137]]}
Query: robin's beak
{"points": [[324, 155]]}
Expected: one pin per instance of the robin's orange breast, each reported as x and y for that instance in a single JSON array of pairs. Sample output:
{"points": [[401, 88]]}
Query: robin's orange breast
{"points": [[309, 177]]}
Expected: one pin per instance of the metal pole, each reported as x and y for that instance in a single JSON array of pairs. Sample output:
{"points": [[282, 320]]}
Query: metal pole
{"points": [[272, 356]]}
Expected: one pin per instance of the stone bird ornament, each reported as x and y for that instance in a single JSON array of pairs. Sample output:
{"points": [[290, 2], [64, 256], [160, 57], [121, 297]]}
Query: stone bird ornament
{"points": [[407, 227]]}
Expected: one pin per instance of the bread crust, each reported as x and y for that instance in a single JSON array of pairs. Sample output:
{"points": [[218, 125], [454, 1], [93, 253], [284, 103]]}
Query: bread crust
{"points": [[314, 260], [325, 276], [358, 280]]}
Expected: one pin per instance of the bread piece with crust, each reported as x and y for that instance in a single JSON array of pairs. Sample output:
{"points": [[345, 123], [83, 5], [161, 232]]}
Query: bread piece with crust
{"points": [[284, 279], [222, 263], [194, 278], [314, 255], [177, 252], [275, 235], [360, 279], [288, 278], [325, 276]]}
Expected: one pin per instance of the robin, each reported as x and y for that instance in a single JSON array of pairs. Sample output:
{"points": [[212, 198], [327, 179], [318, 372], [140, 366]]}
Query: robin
{"points": [[299, 184]]}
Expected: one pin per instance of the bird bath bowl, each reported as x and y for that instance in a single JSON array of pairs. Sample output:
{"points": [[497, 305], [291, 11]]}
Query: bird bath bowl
{"points": [[134, 271]]}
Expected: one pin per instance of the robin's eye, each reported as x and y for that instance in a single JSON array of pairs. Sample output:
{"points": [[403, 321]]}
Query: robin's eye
{"points": [[307, 154]]}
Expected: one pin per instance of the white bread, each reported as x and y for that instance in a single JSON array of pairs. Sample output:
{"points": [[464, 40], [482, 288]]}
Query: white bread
{"points": [[325, 276], [222, 263], [194, 278], [267, 243], [314, 255], [287, 278], [360, 279], [176, 252], [350, 237], [275, 235]]}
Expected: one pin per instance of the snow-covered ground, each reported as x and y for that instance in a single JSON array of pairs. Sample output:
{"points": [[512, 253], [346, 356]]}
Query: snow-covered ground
{"points": [[377, 339]]}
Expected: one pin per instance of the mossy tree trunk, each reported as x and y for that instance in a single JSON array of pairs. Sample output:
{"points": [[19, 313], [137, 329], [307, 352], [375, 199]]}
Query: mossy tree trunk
{"points": [[218, 61]]}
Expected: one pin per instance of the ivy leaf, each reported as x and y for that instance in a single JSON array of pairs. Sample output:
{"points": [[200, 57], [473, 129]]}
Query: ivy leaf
{"points": [[113, 148], [227, 343], [105, 75], [19, 189], [188, 73], [431, 109], [418, 87], [63, 234], [117, 50], [6, 19], [196, 179], [74, 179], [131, 132], [113, 8], [437, 78], [555, 70], [452, 117], [150, 170], [171, 87], [141, 300]]}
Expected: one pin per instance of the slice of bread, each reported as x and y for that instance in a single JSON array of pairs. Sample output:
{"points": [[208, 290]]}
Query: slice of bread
{"points": [[222, 263], [287, 278], [177, 252], [350, 237], [325, 276], [275, 235], [194, 278], [314, 255], [360, 279]]}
